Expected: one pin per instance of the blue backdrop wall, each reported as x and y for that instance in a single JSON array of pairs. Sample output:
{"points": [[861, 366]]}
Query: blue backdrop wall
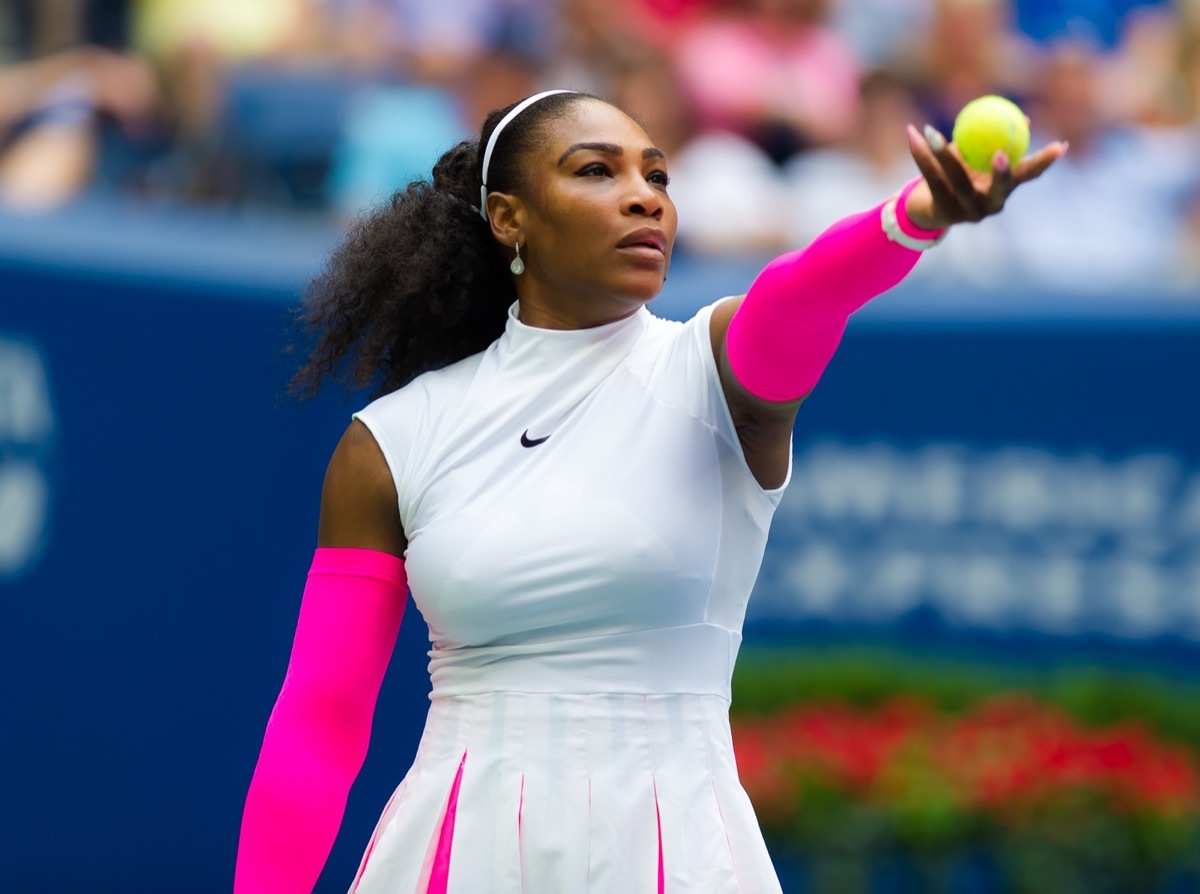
{"points": [[1016, 472]]}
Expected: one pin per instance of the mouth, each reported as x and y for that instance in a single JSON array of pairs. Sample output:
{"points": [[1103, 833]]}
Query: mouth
{"points": [[646, 237]]}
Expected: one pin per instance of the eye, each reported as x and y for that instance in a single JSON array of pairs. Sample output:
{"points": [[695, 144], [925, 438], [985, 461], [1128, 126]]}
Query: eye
{"points": [[593, 170], [659, 178]]}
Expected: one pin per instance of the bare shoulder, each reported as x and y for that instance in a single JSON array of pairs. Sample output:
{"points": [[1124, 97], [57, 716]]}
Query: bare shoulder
{"points": [[359, 506]]}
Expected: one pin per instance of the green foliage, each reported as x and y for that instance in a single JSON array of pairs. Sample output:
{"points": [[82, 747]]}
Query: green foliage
{"points": [[768, 679]]}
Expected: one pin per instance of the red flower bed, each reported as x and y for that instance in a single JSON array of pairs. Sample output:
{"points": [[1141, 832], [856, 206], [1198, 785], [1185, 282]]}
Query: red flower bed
{"points": [[1008, 760]]}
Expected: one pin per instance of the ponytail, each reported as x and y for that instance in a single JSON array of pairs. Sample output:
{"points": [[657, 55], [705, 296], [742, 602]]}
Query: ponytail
{"points": [[419, 282]]}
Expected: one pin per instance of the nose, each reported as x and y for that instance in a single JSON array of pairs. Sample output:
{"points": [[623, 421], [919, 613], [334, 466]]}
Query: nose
{"points": [[643, 200]]}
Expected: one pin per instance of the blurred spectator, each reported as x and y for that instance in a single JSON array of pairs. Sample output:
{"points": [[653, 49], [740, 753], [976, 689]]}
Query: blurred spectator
{"points": [[276, 100], [874, 161], [51, 112], [772, 71], [1144, 82], [1188, 17], [236, 30], [1108, 217], [668, 11], [496, 78], [194, 43], [972, 50], [258, 89], [727, 191], [884, 34], [430, 42], [394, 133], [593, 39]]}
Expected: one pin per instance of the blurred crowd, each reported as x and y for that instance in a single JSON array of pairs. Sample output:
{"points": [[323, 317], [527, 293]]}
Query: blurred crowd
{"points": [[778, 116]]}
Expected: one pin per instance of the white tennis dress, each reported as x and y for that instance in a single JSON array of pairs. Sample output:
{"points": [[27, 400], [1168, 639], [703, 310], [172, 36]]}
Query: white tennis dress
{"points": [[583, 534]]}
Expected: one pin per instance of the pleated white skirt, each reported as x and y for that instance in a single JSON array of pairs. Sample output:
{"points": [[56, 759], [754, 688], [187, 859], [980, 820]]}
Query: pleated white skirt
{"points": [[544, 793]]}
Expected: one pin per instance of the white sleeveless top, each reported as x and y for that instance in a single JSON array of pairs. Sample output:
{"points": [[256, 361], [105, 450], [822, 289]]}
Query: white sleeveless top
{"points": [[583, 535]]}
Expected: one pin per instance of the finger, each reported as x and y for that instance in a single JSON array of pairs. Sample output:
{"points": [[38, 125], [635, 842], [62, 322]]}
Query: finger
{"points": [[1003, 182], [931, 170], [952, 163], [1035, 165]]}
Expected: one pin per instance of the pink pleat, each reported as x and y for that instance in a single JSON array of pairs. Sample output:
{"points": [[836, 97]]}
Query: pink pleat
{"points": [[439, 868], [662, 878]]}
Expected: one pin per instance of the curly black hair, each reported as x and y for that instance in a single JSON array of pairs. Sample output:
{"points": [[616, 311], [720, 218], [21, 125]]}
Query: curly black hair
{"points": [[420, 282]]}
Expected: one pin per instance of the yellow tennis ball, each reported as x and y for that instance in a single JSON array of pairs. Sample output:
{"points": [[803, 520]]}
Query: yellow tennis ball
{"points": [[987, 124]]}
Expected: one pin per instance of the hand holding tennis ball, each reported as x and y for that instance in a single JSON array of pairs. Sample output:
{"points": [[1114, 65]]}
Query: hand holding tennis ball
{"points": [[959, 183], [988, 125]]}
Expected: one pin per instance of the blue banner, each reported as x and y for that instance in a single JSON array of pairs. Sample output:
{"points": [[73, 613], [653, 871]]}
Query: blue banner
{"points": [[1020, 483]]}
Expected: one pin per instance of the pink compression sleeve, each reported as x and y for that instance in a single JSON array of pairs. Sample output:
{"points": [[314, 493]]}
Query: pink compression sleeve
{"points": [[316, 738], [791, 321]]}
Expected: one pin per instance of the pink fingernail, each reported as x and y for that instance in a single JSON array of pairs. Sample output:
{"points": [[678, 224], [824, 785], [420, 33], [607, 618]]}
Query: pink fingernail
{"points": [[1000, 163]]}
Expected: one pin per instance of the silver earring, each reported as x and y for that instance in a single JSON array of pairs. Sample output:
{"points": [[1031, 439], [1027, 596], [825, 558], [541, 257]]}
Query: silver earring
{"points": [[517, 266]]}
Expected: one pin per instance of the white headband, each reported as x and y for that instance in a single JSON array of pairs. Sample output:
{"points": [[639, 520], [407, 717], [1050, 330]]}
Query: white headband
{"points": [[491, 143]]}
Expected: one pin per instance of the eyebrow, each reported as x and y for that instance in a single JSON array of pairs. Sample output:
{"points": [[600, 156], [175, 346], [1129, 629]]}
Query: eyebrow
{"points": [[608, 149]]}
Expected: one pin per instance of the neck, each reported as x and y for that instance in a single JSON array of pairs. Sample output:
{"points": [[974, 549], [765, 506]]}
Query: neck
{"points": [[539, 310], [541, 317]]}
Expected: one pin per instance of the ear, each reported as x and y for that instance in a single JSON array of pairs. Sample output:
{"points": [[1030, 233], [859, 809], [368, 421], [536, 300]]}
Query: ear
{"points": [[506, 214]]}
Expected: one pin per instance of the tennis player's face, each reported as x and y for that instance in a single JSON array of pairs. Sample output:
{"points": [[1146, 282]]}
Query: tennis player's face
{"points": [[599, 226]]}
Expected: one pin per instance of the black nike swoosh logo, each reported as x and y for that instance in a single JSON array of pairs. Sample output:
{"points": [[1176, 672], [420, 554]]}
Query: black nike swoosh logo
{"points": [[526, 441]]}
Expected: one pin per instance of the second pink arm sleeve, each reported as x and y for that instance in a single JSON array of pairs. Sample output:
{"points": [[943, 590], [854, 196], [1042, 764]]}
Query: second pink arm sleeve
{"points": [[317, 735], [791, 321]]}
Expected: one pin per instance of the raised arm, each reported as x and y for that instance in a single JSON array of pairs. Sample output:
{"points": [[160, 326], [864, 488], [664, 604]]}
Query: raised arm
{"points": [[316, 738], [773, 344]]}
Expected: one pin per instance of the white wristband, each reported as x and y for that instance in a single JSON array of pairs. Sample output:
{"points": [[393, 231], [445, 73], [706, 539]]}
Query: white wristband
{"points": [[891, 228]]}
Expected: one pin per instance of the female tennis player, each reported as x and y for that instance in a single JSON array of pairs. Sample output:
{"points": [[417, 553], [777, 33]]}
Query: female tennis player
{"points": [[578, 494]]}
